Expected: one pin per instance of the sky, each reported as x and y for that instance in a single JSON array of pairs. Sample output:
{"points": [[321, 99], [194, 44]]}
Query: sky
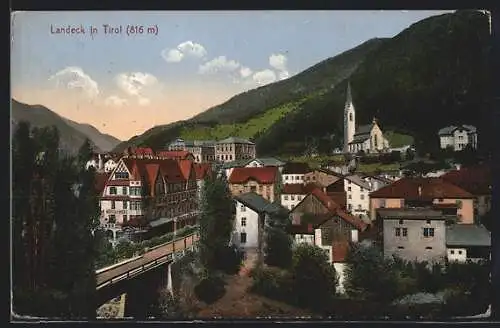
{"points": [[161, 67]]}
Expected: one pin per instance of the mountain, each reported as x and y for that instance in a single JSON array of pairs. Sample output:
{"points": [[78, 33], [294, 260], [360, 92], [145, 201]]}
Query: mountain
{"points": [[104, 141], [72, 134], [433, 74]]}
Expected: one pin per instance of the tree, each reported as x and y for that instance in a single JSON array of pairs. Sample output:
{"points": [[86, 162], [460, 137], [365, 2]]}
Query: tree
{"points": [[315, 280], [216, 221], [278, 244], [369, 275]]}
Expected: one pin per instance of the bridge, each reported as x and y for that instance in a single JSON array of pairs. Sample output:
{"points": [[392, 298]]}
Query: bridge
{"points": [[135, 276]]}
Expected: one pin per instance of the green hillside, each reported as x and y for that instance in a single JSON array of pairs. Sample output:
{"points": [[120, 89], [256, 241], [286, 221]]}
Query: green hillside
{"points": [[433, 74]]}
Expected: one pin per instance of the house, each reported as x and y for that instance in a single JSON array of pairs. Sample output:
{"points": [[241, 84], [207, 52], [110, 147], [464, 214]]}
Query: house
{"points": [[202, 170], [357, 191], [110, 164], [233, 148], [322, 177], [468, 242], [414, 234], [478, 181], [367, 138], [176, 155], [457, 137], [228, 167], [150, 195], [292, 194], [294, 172], [253, 213], [139, 152], [97, 162], [266, 161], [264, 181], [318, 211], [424, 193], [375, 181], [203, 150], [318, 221]]}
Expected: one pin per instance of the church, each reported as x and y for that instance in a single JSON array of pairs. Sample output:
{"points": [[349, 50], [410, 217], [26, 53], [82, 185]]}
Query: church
{"points": [[368, 138]]}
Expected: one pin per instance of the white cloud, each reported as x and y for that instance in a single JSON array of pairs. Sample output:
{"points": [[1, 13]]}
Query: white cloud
{"points": [[188, 48], [278, 62], [172, 55], [135, 83], [283, 75], [245, 72], [264, 77], [115, 101], [74, 77], [142, 101], [219, 64]]}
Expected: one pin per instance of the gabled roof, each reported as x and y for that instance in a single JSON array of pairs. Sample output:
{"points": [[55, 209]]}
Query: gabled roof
{"points": [[410, 214], [235, 140], [298, 188], [359, 138], [202, 170], [265, 175], [364, 129], [476, 180], [236, 163], [357, 180], [467, 235], [174, 154], [326, 171], [421, 188], [296, 168], [450, 129], [258, 203], [267, 161]]}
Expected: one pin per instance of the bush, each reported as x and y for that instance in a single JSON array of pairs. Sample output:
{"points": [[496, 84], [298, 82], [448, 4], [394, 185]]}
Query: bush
{"points": [[273, 283], [210, 289], [229, 259]]}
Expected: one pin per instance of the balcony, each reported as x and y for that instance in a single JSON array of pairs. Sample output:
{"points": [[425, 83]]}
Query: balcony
{"points": [[164, 220]]}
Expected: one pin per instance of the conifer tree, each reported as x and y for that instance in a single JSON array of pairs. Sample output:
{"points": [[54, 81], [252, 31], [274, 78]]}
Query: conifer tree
{"points": [[278, 244]]}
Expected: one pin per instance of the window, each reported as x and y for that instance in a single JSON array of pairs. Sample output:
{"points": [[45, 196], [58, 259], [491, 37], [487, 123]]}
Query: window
{"points": [[121, 175], [112, 219], [397, 232], [285, 197], [459, 252], [112, 204], [359, 206], [125, 218], [428, 232], [286, 177], [350, 117], [243, 222], [253, 188], [401, 221], [243, 237], [440, 200], [382, 203], [112, 190], [401, 247], [452, 252], [428, 247], [428, 221], [242, 208], [124, 204], [314, 177], [350, 197], [299, 197], [292, 197], [348, 188], [297, 177], [405, 232], [362, 196]]}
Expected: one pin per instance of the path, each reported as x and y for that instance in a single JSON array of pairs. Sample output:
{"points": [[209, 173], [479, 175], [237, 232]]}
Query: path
{"points": [[238, 303]]}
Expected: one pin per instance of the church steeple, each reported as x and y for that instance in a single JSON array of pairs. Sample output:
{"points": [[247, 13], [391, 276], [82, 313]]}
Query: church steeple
{"points": [[348, 99], [349, 119]]}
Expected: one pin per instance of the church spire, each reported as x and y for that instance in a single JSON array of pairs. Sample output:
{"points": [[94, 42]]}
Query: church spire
{"points": [[348, 99]]}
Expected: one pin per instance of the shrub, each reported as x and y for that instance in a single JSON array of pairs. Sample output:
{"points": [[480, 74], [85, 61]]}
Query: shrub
{"points": [[273, 282], [210, 289], [229, 259]]}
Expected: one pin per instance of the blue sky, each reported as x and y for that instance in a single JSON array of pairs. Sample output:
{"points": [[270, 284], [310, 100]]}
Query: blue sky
{"points": [[124, 84]]}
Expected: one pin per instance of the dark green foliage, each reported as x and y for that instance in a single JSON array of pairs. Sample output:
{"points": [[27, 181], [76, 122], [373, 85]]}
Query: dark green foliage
{"points": [[278, 243], [274, 283], [55, 210], [216, 221], [229, 259], [315, 280], [210, 289]]}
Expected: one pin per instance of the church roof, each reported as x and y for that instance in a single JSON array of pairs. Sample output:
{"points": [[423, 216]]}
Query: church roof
{"points": [[364, 129], [359, 138]]}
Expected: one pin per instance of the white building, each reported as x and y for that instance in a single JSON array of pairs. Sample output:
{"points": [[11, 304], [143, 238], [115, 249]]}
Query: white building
{"points": [[467, 242], [458, 137], [357, 194], [294, 172], [266, 161], [252, 214], [368, 138], [293, 194]]}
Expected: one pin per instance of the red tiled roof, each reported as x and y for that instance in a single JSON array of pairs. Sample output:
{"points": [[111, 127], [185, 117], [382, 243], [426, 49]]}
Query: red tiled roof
{"points": [[430, 188], [152, 171], [202, 170], [354, 220], [264, 175], [340, 249], [325, 200], [100, 181], [476, 180], [175, 154], [142, 151], [186, 166], [339, 197]]}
